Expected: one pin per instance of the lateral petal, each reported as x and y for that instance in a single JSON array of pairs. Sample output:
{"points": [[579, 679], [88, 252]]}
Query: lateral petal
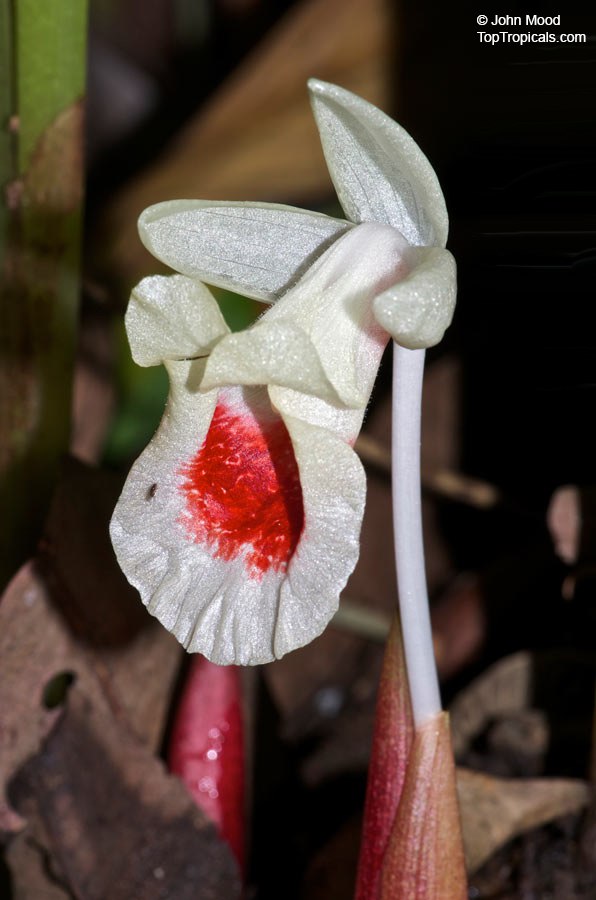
{"points": [[256, 249], [278, 352], [172, 317], [417, 310], [379, 172]]}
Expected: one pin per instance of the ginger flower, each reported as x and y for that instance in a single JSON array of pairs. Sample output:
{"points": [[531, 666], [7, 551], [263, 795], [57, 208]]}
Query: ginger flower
{"points": [[239, 524]]}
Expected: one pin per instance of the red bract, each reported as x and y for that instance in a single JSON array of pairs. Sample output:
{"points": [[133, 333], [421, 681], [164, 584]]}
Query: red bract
{"points": [[392, 740], [411, 845], [424, 858], [207, 747]]}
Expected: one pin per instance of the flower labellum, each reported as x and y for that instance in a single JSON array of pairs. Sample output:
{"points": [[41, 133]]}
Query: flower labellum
{"points": [[239, 524]]}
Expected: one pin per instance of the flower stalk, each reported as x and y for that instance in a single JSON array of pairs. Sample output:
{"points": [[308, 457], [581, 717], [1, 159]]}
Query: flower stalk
{"points": [[411, 847], [408, 368]]}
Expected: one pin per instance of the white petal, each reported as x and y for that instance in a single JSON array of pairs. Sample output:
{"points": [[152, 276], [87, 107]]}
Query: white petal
{"points": [[333, 304], [278, 352], [379, 172], [212, 600], [144, 528], [321, 343], [256, 249], [172, 317], [343, 421], [333, 492], [319, 348], [417, 310]]}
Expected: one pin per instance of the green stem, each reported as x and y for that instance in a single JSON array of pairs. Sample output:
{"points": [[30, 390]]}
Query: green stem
{"points": [[41, 223], [7, 89], [51, 63]]}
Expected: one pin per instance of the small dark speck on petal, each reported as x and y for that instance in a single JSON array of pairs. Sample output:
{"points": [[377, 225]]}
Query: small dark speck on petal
{"points": [[152, 491]]}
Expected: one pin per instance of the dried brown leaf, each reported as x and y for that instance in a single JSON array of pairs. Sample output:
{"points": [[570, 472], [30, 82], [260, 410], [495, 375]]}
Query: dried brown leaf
{"points": [[34, 647], [257, 138], [32, 876], [505, 688], [140, 658], [112, 820], [91, 624], [495, 810]]}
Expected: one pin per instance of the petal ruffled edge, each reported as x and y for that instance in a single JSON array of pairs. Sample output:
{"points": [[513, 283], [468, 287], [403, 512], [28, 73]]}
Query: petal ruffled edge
{"points": [[255, 249], [209, 603], [172, 317], [417, 310], [379, 172], [333, 493]]}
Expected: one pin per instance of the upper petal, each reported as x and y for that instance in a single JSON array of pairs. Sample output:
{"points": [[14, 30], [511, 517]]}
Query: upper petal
{"points": [[379, 172], [256, 249], [417, 310], [172, 317]]}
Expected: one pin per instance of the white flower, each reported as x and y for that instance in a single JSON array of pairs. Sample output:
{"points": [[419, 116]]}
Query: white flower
{"points": [[239, 524]]}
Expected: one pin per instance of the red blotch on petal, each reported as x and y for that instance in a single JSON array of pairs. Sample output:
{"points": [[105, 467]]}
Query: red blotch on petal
{"points": [[243, 491]]}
